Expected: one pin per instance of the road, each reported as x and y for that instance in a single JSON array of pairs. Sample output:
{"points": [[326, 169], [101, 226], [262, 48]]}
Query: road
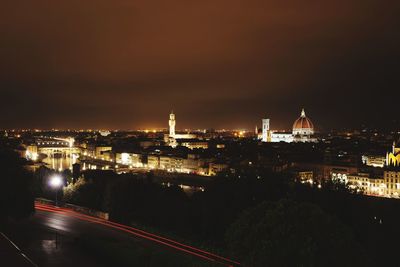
{"points": [[11, 253], [70, 223]]}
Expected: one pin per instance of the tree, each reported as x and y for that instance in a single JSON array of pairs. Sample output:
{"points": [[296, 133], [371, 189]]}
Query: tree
{"points": [[16, 198], [287, 233], [72, 191]]}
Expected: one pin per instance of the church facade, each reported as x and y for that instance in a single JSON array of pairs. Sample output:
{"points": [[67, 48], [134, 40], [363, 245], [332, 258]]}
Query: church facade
{"points": [[393, 158]]}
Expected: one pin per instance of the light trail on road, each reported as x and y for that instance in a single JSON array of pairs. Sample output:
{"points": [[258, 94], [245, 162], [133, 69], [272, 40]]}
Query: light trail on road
{"points": [[140, 233]]}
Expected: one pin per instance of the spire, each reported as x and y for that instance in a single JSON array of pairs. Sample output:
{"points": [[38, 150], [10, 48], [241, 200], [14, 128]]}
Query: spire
{"points": [[303, 113]]}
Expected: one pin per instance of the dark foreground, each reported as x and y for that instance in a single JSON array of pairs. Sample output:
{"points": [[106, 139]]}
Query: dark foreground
{"points": [[60, 237]]}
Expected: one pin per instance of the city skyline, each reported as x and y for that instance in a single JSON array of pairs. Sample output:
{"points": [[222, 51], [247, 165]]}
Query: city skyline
{"points": [[199, 133], [64, 66], [160, 128]]}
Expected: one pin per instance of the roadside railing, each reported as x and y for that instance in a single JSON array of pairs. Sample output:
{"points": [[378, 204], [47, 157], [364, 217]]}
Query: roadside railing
{"points": [[84, 210]]}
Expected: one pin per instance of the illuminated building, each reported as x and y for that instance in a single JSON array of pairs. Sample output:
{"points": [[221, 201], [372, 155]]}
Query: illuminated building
{"points": [[374, 161], [172, 124], [270, 136], [171, 138], [368, 185], [195, 144], [153, 161], [266, 135], [393, 158], [303, 125], [305, 176], [392, 183], [281, 137], [327, 171], [98, 152], [387, 185], [32, 153], [383, 184], [131, 159], [215, 168], [101, 152], [302, 175], [171, 164], [185, 136], [193, 164], [302, 131], [105, 133], [340, 176]]}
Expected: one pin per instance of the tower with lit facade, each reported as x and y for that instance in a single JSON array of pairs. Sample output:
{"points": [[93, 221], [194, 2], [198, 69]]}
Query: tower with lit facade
{"points": [[172, 138], [172, 124], [265, 131]]}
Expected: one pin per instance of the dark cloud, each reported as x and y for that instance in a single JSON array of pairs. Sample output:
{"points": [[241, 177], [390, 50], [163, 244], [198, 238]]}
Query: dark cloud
{"points": [[126, 64]]}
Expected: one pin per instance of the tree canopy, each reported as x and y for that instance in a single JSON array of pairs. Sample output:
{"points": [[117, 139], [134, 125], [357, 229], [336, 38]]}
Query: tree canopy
{"points": [[287, 233], [16, 198]]}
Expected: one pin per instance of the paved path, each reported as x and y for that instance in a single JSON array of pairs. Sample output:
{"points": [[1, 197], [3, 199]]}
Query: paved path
{"points": [[60, 227]]}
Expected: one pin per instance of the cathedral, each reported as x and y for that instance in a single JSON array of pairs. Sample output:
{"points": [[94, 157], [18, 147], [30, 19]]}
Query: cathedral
{"points": [[302, 131]]}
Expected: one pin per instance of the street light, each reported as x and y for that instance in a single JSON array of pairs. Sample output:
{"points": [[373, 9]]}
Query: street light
{"points": [[56, 182]]}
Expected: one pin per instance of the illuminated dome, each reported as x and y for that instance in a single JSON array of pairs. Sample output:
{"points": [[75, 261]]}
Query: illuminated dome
{"points": [[303, 125]]}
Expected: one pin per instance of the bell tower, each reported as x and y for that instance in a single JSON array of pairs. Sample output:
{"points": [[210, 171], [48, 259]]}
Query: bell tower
{"points": [[265, 131], [172, 124]]}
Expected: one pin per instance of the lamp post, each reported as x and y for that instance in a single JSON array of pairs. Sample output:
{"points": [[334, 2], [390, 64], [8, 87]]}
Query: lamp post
{"points": [[56, 182]]}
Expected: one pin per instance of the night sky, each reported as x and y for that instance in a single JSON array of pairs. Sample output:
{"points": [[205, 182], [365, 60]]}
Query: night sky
{"points": [[217, 64]]}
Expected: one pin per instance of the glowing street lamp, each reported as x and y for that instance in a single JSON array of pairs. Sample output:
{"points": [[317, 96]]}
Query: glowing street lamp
{"points": [[56, 182]]}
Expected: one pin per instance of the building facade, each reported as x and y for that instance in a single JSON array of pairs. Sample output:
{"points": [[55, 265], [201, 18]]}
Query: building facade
{"points": [[387, 185]]}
